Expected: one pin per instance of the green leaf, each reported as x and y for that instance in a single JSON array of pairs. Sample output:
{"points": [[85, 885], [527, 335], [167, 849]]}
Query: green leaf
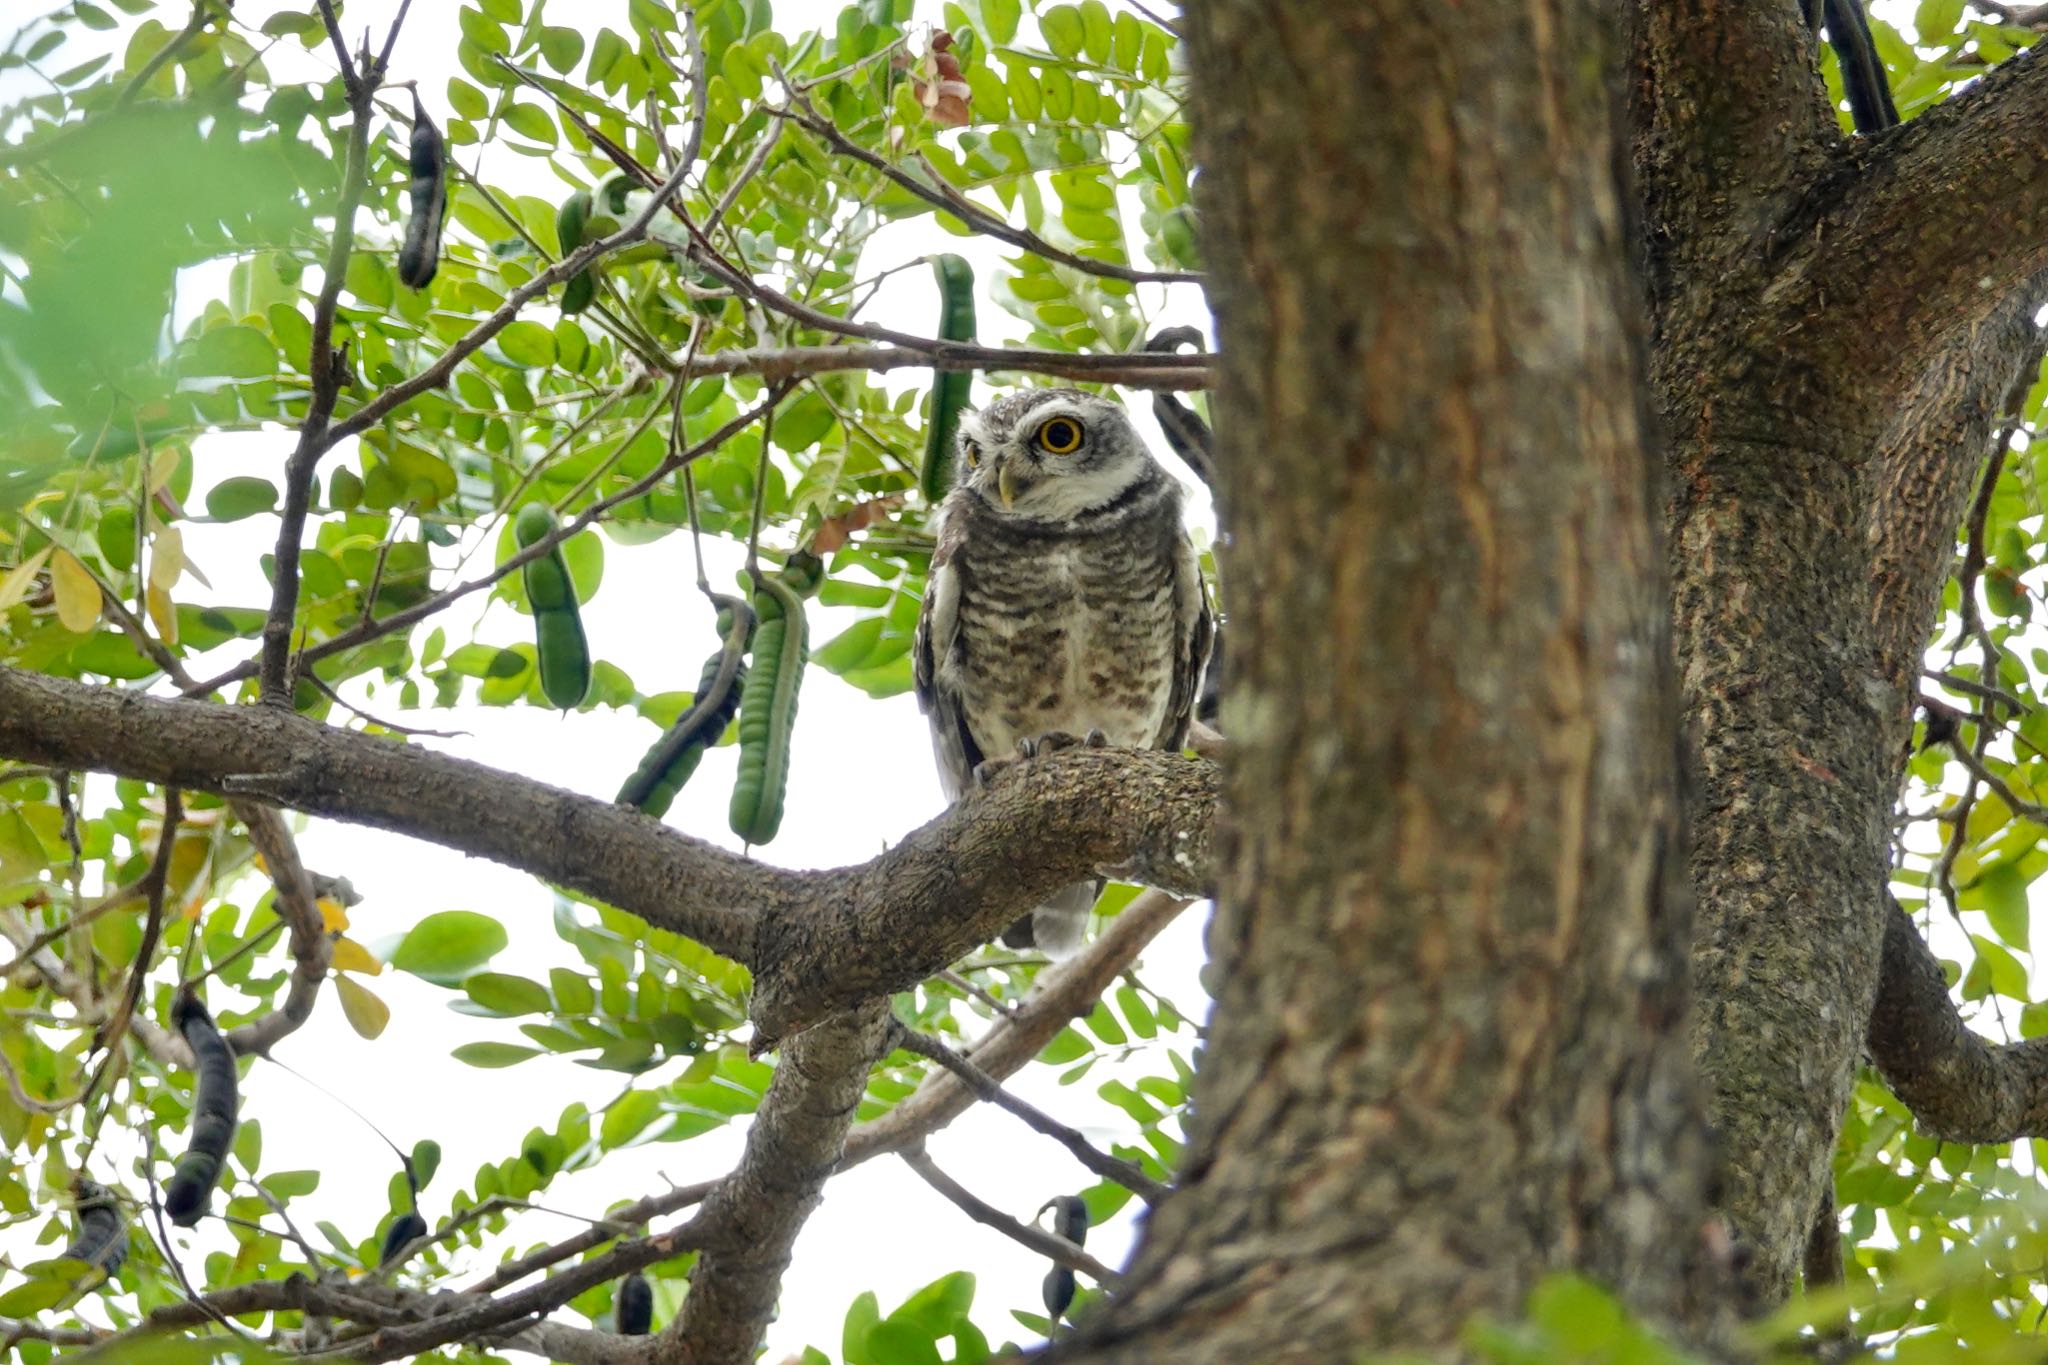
{"points": [[466, 100], [900, 1343], [1064, 30], [1001, 18], [528, 343], [493, 1055], [447, 945], [572, 991], [532, 122], [2004, 892], [233, 352], [239, 497], [507, 995], [562, 48], [627, 1117]]}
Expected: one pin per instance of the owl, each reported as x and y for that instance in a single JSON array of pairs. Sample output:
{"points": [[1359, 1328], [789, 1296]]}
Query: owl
{"points": [[1064, 600]]}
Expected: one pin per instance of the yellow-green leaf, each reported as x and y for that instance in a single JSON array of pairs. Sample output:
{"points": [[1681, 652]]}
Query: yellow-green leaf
{"points": [[78, 596], [366, 1014]]}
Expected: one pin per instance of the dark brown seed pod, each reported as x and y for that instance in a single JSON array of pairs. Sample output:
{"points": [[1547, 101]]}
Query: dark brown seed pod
{"points": [[420, 255], [633, 1306], [404, 1230], [1058, 1291], [214, 1102], [675, 756], [102, 1238]]}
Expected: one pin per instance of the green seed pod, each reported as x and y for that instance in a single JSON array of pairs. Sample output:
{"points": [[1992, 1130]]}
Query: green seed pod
{"points": [[420, 255], [950, 388], [675, 756], [768, 711], [570, 221], [558, 641], [213, 1114]]}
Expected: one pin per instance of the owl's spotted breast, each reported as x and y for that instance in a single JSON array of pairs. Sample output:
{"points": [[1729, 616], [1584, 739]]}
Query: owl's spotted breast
{"points": [[1078, 634]]}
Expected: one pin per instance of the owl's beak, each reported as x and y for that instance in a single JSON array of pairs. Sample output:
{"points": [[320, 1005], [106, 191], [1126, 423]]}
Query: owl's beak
{"points": [[1005, 485]]}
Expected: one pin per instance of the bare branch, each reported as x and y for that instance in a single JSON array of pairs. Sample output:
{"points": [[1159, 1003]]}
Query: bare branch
{"points": [[1961, 1087], [1125, 1173], [328, 368], [298, 907], [792, 1150], [1057, 1249], [973, 215], [1063, 992]]}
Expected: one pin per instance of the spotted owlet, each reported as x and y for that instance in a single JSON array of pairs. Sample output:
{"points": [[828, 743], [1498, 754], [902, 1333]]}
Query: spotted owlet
{"points": [[1064, 599]]}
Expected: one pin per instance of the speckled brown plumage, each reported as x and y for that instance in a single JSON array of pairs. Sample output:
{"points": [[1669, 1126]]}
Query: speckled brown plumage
{"points": [[1073, 605]]}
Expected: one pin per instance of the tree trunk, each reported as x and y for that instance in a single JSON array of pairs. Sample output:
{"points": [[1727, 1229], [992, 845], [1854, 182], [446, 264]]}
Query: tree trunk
{"points": [[1447, 1056]]}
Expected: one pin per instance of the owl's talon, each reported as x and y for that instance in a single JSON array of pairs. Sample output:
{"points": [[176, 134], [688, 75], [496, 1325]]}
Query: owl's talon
{"points": [[1096, 740], [986, 771], [1050, 742]]}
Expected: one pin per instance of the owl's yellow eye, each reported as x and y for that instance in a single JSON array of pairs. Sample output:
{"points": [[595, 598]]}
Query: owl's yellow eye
{"points": [[972, 452], [1061, 436]]}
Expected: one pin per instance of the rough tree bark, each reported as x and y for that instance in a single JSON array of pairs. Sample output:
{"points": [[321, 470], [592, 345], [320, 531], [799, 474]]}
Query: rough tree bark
{"points": [[1447, 1055], [1828, 367]]}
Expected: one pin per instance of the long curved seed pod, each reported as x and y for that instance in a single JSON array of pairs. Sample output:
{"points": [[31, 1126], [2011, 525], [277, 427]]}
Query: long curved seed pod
{"points": [[214, 1103], [633, 1306], [420, 256], [405, 1229], [569, 224], [675, 756], [558, 641], [1184, 429], [950, 388], [768, 708], [102, 1238]]}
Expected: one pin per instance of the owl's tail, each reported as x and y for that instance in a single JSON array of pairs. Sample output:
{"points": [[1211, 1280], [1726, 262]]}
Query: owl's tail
{"points": [[1057, 927]]}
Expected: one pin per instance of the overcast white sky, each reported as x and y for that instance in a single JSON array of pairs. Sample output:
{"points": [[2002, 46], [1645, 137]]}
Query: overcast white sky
{"points": [[880, 1227]]}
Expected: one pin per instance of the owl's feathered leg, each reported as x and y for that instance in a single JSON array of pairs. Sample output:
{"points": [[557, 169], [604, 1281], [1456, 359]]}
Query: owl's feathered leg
{"points": [[1057, 927]]}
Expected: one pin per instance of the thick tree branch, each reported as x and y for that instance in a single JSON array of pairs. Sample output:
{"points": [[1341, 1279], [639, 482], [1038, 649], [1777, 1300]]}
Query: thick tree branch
{"points": [[1961, 1088], [1728, 112], [818, 942], [1954, 205], [792, 1150]]}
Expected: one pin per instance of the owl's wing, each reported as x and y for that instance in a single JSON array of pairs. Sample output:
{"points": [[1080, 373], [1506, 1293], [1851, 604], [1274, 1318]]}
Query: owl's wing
{"points": [[938, 630], [1196, 629]]}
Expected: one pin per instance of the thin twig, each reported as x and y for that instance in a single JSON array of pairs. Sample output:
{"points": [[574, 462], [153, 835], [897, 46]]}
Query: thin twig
{"points": [[399, 620], [976, 217], [327, 367], [1055, 1248], [202, 13], [154, 882], [1109, 1167]]}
